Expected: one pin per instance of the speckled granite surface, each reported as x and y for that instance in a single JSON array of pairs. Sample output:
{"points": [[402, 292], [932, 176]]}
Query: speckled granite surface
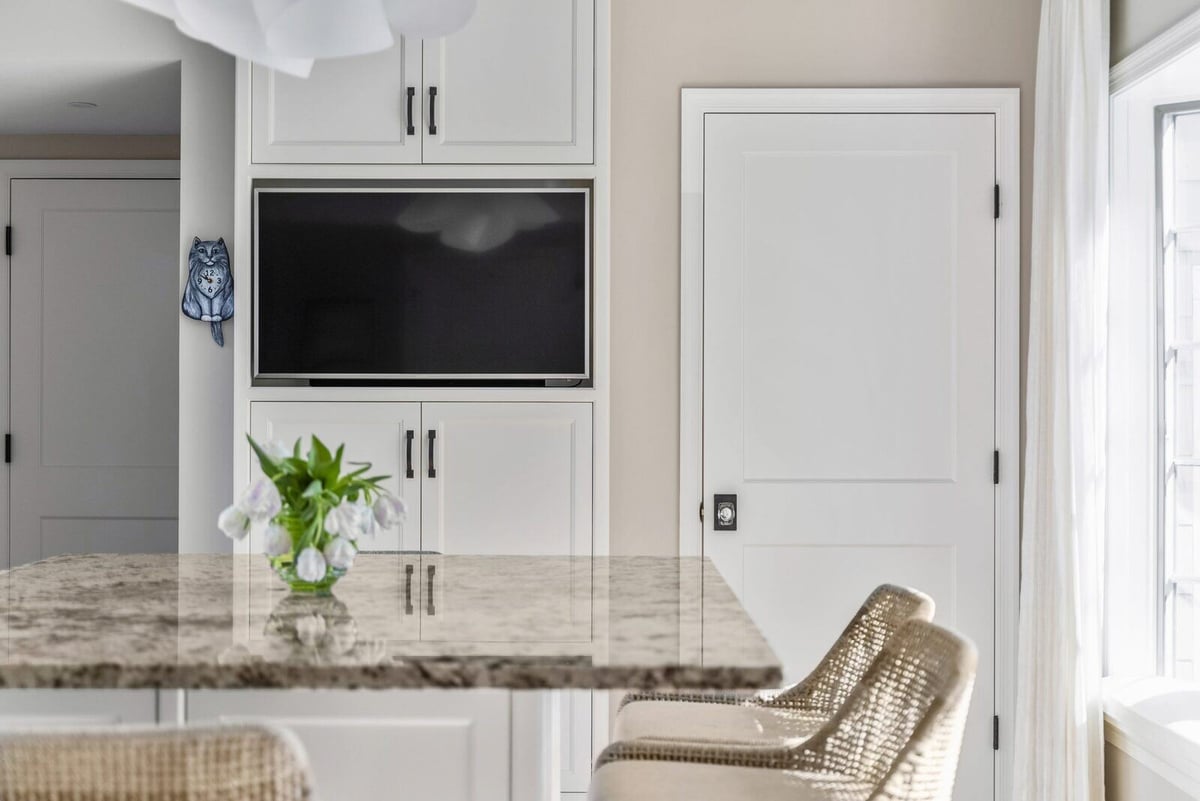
{"points": [[397, 620]]}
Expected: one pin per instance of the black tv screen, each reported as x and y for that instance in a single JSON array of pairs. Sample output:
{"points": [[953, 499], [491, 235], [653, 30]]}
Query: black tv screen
{"points": [[422, 284]]}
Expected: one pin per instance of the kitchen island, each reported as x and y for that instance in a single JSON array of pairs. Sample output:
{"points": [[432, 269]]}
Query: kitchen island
{"points": [[461, 678]]}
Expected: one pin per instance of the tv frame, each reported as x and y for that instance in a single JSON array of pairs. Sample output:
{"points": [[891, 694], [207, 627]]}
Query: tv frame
{"points": [[430, 379]]}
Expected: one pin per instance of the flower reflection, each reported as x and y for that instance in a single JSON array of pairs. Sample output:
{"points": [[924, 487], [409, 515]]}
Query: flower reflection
{"points": [[315, 630]]}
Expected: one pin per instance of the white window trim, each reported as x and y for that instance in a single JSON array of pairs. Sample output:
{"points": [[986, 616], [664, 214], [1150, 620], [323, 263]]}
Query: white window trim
{"points": [[1134, 722], [1005, 105]]}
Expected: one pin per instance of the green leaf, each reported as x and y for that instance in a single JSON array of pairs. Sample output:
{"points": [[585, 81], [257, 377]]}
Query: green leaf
{"points": [[269, 465], [314, 489]]}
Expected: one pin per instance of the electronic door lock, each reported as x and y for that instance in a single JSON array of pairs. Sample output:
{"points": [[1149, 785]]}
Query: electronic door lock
{"points": [[726, 516]]}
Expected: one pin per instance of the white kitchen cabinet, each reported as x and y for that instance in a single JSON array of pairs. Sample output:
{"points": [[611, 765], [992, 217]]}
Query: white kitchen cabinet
{"points": [[349, 110], [507, 478], [388, 435], [514, 86], [22, 710], [366, 745]]}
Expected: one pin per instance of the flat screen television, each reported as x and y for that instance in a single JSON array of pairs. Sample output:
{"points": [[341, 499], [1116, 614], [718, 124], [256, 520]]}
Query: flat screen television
{"points": [[424, 285]]}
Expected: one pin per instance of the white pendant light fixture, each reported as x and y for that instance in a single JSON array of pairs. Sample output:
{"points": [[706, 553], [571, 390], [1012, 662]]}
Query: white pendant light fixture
{"points": [[326, 28], [428, 19], [233, 26]]}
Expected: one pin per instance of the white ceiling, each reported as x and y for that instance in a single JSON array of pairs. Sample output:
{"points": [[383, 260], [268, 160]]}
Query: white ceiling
{"points": [[131, 98]]}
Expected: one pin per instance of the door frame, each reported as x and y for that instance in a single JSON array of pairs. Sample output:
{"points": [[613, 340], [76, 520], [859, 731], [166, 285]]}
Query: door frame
{"points": [[35, 169], [1004, 104]]}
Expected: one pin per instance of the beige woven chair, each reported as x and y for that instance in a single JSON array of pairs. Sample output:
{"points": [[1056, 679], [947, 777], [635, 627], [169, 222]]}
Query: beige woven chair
{"points": [[233, 763], [897, 738], [795, 712]]}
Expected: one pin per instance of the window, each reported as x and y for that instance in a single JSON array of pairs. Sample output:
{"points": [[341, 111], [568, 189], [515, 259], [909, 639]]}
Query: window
{"points": [[1179, 403]]}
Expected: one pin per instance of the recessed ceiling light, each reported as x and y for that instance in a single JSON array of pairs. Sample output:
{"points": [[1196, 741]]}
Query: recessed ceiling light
{"points": [[82, 104]]}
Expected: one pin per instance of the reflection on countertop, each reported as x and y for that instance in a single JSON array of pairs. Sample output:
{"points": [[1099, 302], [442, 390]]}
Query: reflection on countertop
{"points": [[397, 620]]}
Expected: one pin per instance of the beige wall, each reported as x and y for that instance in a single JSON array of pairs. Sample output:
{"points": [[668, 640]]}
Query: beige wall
{"points": [[660, 46], [1135, 22], [1126, 779]]}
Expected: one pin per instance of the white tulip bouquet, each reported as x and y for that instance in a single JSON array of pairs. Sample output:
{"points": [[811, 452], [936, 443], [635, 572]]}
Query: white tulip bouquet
{"points": [[311, 514]]}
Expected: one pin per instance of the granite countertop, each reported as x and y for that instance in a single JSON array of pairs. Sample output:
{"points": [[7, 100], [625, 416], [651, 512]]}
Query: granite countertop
{"points": [[396, 620]]}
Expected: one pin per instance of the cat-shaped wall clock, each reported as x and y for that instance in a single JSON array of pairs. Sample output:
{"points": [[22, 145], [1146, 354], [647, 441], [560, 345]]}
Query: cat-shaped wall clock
{"points": [[208, 296]]}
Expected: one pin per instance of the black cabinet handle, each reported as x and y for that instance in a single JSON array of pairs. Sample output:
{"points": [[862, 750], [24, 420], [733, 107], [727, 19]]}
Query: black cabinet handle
{"points": [[429, 604], [433, 111], [432, 437], [408, 440], [408, 574], [412, 130]]}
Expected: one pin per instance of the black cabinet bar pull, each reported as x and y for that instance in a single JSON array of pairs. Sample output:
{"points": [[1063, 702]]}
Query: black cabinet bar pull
{"points": [[408, 440], [429, 604], [433, 111], [412, 130], [408, 574], [432, 437]]}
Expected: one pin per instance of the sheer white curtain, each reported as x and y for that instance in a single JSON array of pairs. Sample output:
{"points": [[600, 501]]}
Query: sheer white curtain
{"points": [[1059, 726]]}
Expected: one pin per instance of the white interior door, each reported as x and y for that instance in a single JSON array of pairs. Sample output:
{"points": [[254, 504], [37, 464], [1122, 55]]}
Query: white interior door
{"points": [[849, 369], [95, 367], [348, 111], [514, 86], [388, 435]]}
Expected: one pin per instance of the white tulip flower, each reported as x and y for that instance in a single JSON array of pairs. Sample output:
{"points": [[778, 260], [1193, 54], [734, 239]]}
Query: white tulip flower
{"points": [[390, 511], [277, 450], [276, 541], [234, 523], [350, 519], [340, 552], [261, 500], [310, 565]]}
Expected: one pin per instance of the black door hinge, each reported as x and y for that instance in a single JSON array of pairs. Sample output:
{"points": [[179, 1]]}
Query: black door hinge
{"points": [[996, 203], [701, 511], [8, 448], [995, 467], [995, 732], [8, 240]]}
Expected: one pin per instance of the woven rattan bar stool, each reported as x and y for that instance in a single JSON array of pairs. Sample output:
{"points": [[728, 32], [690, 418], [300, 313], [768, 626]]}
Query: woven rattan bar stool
{"points": [[897, 738], [232, 763], [795, 712]]}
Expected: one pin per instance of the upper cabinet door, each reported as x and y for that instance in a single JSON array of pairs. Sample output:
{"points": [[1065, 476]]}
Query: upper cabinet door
{"points": [[513, 87], [348, 111]]}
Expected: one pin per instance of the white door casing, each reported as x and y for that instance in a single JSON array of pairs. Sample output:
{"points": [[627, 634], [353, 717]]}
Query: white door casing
{"points": [[372, 432], [349, 110], [94, 370], [515, 86], [849, 391]]}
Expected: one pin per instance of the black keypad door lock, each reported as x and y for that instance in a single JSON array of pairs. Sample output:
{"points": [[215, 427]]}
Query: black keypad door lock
{"points": [[725, 508]]}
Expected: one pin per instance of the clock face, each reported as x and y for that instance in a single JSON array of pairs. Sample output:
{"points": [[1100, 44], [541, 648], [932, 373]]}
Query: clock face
{"points": [[210, 280]]}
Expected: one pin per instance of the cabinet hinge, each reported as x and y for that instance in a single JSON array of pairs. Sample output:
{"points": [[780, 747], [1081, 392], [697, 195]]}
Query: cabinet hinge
{"points": [[8, 240], [8, 448], [995, 732], [996, 467], [996, 203], [701, 511]]}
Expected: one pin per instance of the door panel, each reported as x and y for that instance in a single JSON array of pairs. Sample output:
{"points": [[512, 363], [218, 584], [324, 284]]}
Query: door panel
{"points": [[368, 745], [95, 398], [371, 432], [349, 110], [849, 374], [514, 86], [507, 478], [21, 710]]}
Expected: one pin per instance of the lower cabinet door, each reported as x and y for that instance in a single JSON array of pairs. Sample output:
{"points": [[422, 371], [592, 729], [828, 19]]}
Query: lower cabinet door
{"points": [[370, 745], [75, 709], [385, 434]]}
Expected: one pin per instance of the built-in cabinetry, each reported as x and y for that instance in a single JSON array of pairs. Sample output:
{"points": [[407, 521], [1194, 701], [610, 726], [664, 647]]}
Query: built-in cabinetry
{"points": [[479, 478], [516, 86]]}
